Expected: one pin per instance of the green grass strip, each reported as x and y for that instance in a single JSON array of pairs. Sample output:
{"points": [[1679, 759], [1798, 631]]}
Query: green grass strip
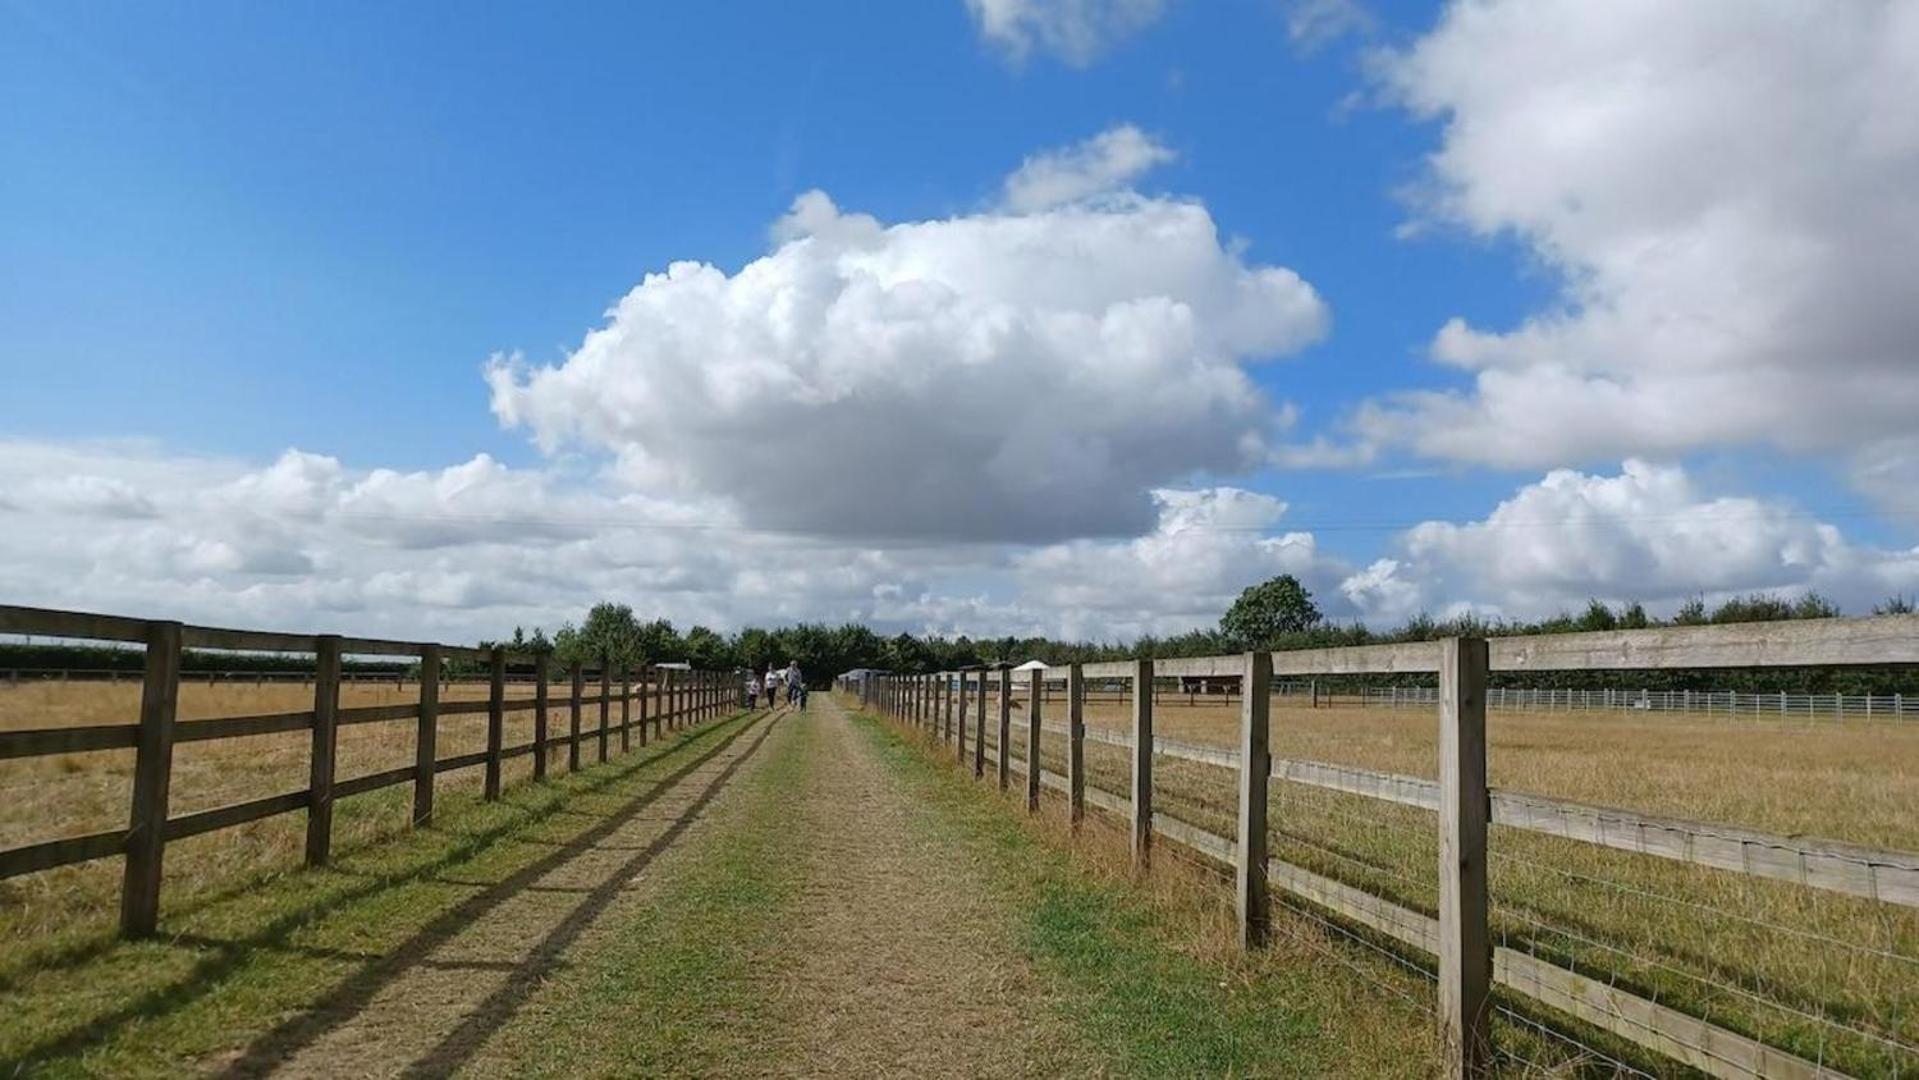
{"points": [[671, 990]]}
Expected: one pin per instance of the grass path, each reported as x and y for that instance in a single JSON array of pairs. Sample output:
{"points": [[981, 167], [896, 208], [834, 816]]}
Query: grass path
{"points": [[807, 930], [860, 909]]}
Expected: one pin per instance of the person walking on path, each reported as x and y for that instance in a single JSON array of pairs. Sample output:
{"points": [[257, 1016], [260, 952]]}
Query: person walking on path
{"points": [[795, 685]]}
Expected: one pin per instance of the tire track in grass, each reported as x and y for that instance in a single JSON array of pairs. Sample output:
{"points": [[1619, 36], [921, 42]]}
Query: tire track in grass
{"points": [[671, 982]]}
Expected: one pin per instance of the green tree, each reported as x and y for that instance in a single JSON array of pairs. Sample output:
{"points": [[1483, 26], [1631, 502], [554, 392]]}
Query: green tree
{"points": [[1269, 611], [707, 650]]}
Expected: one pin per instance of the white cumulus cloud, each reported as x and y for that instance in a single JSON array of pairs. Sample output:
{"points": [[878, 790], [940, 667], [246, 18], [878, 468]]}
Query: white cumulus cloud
{"points": [[1647, 534], [1729, 192], [1207, 547], [1001, 375]]}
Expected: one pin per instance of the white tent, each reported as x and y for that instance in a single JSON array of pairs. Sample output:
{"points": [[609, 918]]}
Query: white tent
{"points": [[1031, 665]]}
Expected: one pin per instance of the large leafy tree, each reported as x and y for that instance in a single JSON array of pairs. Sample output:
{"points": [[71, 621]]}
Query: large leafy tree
{"points": [[1269, 611]]}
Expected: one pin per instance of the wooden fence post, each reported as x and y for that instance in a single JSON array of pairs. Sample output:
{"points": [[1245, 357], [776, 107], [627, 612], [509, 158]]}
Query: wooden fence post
{"points": [[659, 703], [606, 707], [495, 721], [642, 695], [1465, 941], [1005, 723], [326, 729], [626, 708], [1075, 743], [1035, 692], [1255, 768], [539, 716], [573, 718], [1142, 763], [979, 733], [946, 705], [152, 780], [674, 690], [426, 740], [959, 742]]}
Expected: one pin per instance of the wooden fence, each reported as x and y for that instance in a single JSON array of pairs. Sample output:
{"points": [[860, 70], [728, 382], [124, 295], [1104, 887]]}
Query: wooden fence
{"points": [[664, 699], [1469, 963]]}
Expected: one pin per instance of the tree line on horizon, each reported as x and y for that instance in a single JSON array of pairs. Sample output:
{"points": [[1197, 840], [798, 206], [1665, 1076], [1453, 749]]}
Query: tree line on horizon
{"points": [[1276, 614], [1279, 613]]}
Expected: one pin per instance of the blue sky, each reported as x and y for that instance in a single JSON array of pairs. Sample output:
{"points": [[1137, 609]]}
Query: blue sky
{"points": [[262, 227]]}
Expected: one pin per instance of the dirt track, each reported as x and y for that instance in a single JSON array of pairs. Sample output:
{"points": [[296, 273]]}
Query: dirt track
{"points": [[897, 963]]}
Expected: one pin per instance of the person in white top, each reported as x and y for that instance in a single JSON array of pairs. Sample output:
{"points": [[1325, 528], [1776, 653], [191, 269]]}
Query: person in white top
{"points": [[752, 691]]}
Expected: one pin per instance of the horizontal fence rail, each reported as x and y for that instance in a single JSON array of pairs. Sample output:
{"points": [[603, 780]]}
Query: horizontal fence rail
{"points": [[1475, 972], [665, 697], [18, 676]]}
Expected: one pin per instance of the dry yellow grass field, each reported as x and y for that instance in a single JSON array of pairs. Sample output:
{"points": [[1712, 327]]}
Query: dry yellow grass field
{"points": [[1830, 976], [47, 797]]}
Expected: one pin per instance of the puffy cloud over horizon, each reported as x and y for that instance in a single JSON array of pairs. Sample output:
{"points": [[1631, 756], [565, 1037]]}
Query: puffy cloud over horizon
{"points": [[1648, 534], [1007, 375], [309, 543], [1728, 194]]}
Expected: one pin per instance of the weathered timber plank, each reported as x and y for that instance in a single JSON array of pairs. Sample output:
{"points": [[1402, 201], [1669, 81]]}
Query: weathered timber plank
{"points": [[371, 714], [236, 727], [81, 625], [358, 646], [460, 761], [214, 637], [359, 785], [38, 742], [1880, 640], [222, 817], [48, 854]]}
